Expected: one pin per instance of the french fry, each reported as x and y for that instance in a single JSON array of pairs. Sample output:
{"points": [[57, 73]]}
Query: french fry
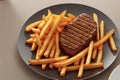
{"points": [[71, 16], [48, 37], [46, 53], [112, 44], [105, 38], [66, 19], [52, 52], [47, 60], [100, 51], [30, 40], [52, 55], [43, 22], [95, 17], [85, 67], [38, 40], [45, 27], [44, 18], [101, 29], [32, 35], [99, 57], [32, 25], [57, 53], [34, 45], [83, 52], [63, 24], [63, 71], [94, 54], [35, 30], [41, 25], [44, 66], [81, 67], [88, 60], [49, 13], [62, 14], [37, 53]]}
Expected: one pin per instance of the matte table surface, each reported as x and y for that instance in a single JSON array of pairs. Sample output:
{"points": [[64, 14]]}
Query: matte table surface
{"points": [[13, 14]]}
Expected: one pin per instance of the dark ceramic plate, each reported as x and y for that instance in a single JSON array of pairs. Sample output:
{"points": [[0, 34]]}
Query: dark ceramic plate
{"points": [[76, 9]]}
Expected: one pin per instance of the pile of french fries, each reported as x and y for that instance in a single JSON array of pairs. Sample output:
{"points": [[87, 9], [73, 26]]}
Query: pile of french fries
{"points": [[45, 40]]}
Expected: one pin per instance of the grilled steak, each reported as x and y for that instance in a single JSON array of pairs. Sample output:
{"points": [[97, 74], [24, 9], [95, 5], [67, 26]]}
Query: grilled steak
{"points": [[78, 34]]}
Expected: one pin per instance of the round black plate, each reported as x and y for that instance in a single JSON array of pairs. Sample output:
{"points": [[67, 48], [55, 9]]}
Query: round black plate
{"points": [[76, 9]]}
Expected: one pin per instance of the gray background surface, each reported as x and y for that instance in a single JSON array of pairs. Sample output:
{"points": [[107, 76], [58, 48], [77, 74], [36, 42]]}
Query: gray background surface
{"points": [[13, 14]]}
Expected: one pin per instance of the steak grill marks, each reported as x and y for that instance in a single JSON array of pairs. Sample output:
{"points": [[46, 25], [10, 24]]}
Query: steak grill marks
{"points": [[78, 32]]}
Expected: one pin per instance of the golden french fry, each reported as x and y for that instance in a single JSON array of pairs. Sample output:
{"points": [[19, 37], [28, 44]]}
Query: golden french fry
{"points": [[44, 18], [100, 49], [112, 44], [47, 60], [57, 52], [34, 45], [63, 71], [52, 51], [95, 17], [94, 53], [41, 25], [66, 19], [81, 67], [62, 14], [35, 30], [93, 65], [38, 40], [101, 29], [32, 35], [105, 38], [45, 27], [32, 25], [37, 53], [99, 57], [46, 53], [86, 66], [48, 37], [43, 22], [88, 60], [83, 52], [49, 13], [30, 40], [44, 66], [71, 16], [63, 24]]}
